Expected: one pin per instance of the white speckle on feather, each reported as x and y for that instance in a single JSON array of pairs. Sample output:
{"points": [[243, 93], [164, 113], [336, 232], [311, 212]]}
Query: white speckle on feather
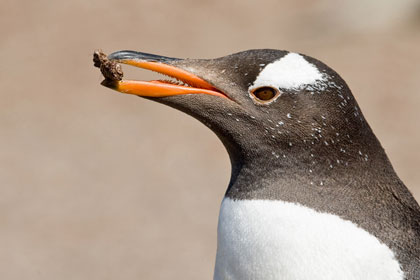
{"points": [[289, 116], [274, 154]]}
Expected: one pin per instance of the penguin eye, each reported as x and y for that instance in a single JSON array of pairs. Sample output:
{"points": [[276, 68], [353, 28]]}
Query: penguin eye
{"points": [[265, 94]]}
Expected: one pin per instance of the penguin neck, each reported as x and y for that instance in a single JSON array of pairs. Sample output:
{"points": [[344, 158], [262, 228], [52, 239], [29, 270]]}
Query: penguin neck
{"points": [[268, 171]]}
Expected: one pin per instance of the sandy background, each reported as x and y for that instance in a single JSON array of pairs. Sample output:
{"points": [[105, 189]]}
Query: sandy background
{"points": [[98, 185]]}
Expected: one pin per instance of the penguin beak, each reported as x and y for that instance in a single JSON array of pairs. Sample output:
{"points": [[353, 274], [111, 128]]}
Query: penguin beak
{"points": [[185, 82]]}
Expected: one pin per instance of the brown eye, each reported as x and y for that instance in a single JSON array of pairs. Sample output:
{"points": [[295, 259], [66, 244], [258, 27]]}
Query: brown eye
{"points": [[265, 94]]}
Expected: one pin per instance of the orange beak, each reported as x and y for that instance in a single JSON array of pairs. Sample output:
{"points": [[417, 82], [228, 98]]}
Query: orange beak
{"points": [[188, 82]]}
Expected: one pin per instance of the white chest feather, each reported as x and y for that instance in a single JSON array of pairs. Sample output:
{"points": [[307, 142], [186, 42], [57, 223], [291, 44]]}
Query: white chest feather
{"points": [[265, 239]]}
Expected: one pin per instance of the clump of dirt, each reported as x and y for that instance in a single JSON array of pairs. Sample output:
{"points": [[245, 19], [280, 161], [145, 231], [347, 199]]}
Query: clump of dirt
{"points": [[111, 70]]}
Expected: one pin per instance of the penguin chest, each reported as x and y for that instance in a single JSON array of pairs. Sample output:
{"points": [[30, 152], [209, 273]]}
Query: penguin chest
{"points": [[269, 239]]}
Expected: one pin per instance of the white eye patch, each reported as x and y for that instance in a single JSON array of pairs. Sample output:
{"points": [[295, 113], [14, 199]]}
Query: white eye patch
{"points": [[289, 72]]}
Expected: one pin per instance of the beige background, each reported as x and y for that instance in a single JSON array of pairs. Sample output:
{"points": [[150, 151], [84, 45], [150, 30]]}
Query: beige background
{"points": [[98, 185]]}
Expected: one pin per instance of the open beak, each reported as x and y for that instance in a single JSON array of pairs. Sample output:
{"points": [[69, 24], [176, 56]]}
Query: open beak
{"points": [[186, 82]]}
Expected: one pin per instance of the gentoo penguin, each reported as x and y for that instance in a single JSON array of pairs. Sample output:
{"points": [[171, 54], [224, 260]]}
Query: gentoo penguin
{"points": [[312, 193]]}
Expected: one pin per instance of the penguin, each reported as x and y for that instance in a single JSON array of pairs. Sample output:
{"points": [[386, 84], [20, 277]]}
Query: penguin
{"points": [[312, 193]]}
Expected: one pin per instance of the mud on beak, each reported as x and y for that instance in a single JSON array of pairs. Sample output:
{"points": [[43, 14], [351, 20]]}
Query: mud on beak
{"points": [[186, 82]]}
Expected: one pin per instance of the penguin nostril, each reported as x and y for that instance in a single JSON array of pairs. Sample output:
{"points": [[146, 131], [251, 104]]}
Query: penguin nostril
{"points": [[264, 95]]}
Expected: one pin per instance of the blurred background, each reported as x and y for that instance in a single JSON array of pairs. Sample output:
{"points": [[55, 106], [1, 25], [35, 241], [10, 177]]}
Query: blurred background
{"points": [[99, 185]]}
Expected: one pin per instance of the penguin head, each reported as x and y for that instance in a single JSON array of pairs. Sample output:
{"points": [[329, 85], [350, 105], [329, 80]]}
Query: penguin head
{"points": [[258, 102]]}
